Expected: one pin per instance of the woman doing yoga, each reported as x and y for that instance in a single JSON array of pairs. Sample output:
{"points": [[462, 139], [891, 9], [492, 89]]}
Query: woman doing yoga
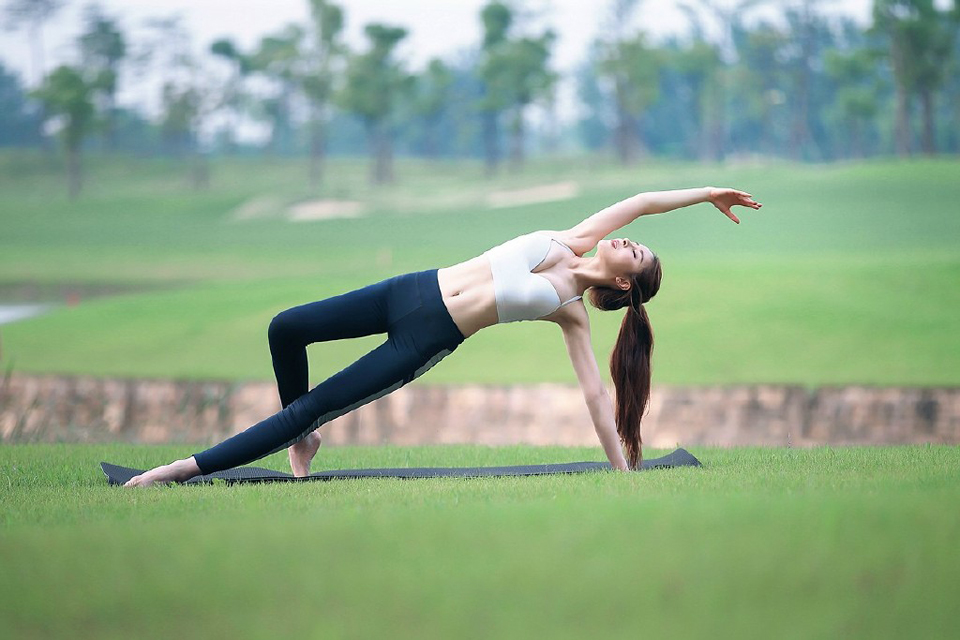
{"points": [[426, 315]]}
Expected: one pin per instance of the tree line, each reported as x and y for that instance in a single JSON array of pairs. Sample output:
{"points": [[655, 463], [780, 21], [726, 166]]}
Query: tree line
{"points": [[750, 78]]}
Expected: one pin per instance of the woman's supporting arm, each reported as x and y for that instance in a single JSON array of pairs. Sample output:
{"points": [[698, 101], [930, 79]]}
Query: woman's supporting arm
{"points": [[605, 424], [576, 334]]}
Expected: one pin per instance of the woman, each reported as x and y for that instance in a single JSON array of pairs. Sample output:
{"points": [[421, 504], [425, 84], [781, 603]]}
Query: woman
{"points": [[426, 315]]}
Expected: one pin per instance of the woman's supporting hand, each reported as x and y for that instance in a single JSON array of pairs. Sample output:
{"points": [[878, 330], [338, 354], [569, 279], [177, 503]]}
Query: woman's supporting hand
{"points": [[723, 199]]}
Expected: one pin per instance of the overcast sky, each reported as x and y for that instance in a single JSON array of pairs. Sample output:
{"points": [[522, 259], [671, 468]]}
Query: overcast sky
{"points": [[436, 27]]}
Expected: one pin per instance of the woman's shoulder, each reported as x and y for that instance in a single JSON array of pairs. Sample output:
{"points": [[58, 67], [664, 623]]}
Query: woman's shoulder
{"points": [[566, 238]]}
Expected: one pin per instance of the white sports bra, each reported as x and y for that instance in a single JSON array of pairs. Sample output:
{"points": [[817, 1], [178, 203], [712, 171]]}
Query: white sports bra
{"points": [[521, 294]]}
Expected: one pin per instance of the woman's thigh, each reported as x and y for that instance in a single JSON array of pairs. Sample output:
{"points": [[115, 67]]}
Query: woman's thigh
{"points": [[361, 312]]}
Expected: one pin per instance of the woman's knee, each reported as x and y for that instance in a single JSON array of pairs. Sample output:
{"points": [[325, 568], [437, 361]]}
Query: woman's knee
{"points": [[281, 327]]}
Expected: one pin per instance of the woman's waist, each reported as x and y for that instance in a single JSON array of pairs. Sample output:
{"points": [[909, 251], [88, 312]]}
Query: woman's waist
{"points": [[470, 278], [468, 293]]}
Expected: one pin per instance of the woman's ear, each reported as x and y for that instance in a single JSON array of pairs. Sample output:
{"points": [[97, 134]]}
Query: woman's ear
{"points": [[622, 283]]}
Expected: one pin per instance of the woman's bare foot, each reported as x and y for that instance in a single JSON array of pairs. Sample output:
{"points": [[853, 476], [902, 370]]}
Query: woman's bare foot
{"points": [[174, 472], [302, 453]]}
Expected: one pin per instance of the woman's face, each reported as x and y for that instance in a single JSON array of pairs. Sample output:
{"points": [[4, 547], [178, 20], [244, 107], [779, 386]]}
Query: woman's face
{"points": [[624, 257]]}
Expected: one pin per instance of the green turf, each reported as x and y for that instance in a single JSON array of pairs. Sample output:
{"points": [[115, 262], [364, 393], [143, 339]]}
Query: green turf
{"points": [[763, 543], [847, 275]]}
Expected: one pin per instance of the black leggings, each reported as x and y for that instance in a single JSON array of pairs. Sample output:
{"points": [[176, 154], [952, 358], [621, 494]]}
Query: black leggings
{"points": [[420, 332]]}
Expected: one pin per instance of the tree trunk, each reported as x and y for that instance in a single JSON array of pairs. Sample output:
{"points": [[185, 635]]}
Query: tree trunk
{"points": [[386, 154], [702, 139], [929, 142], [35, 34], [718, 150], [800, 131], [199, 172], [903, 120], [491, 144], [552, 138], [625, 133], [430, 147], [626, 137], [856, 138], [516, 143], [74, 177], [382, 149], [316, 155]]}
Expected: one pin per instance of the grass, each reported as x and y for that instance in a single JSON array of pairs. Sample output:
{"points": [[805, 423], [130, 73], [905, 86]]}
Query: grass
{"points": [[848, 274], [785, 543]]}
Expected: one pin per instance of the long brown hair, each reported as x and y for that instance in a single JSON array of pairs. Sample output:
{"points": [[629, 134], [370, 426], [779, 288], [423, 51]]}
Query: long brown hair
{"points": [[630, 359]]}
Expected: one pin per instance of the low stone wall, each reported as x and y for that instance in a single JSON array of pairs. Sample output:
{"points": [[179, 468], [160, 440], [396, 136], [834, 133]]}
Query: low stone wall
{"points": [[86, 409]]}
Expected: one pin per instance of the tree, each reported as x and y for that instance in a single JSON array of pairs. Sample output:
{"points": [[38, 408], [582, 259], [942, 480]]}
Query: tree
{"points": [[699, 65], [187, 95], [278, 58], [805, 28], [515, 74], [950, 105], [496, 18], [854, 72], [528, 79], [20, 122], [432, 98], [921, 42], [631, 68], [375, 83], [33, 13], [102, 49], [593, 128], [933, 42], [730, 19], [232, 95], [67, 95], [317, 80]]}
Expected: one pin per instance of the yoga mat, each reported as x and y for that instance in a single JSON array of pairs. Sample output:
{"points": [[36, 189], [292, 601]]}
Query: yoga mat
{"points": [[679, 458]]}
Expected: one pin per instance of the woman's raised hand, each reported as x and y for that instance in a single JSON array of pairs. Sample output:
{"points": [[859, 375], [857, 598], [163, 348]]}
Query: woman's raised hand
{"points": [[723, 199]]}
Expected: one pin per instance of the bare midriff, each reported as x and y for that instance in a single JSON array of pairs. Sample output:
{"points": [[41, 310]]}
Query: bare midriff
{"points": [[468, 294]]}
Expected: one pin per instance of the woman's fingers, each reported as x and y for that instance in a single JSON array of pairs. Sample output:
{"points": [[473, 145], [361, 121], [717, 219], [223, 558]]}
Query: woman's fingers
{"points": [[724, 199], [748, 201], [725, 210]]}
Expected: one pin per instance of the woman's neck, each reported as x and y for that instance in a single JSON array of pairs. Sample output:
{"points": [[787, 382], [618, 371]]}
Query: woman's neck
{"points": [[589, 272]]}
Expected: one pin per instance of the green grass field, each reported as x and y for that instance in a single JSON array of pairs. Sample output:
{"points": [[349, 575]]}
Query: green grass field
{"points": [[760, 543], [848, 274]]}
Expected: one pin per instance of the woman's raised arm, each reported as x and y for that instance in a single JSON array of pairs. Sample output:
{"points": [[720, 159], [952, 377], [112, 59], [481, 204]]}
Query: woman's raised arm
{"points": [[587, 234]]}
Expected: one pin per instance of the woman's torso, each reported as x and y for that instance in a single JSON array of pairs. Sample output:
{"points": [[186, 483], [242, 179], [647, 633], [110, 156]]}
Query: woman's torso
{"points": [[470, 296]]}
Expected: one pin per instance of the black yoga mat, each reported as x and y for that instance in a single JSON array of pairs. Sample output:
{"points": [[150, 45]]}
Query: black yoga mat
{"points": [[679, 458]]}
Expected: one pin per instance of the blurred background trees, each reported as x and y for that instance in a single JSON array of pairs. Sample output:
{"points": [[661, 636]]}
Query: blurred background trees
{"points": [[67, 96], [747, 78], [32, 15], [375, 84]]}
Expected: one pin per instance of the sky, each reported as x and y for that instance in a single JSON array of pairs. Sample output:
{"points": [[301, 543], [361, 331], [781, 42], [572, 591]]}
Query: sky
{"points": [[436, 28]]}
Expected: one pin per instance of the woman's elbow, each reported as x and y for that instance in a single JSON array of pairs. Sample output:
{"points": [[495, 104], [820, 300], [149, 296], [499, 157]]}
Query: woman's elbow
{"points": [[596, 395]]}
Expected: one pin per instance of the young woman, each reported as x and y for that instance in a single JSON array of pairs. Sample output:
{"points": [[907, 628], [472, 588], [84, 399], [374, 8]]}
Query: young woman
{"points": [[426, 315]]}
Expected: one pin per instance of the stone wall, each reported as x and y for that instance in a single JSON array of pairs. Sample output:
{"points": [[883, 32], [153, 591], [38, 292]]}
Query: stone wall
{"points": [[86, 409]]}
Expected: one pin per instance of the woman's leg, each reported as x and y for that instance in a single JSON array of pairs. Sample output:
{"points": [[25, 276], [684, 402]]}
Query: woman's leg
{"points": [[358, 313], [351, 315], [421, 333], [383, 370]]}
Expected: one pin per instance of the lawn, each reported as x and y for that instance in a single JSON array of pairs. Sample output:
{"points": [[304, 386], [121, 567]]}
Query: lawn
{"points": [[847, 275], [765, 543]]}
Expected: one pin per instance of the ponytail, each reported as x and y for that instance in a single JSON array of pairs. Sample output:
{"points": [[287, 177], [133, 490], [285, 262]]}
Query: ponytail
{"points": [[630, 360]]}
